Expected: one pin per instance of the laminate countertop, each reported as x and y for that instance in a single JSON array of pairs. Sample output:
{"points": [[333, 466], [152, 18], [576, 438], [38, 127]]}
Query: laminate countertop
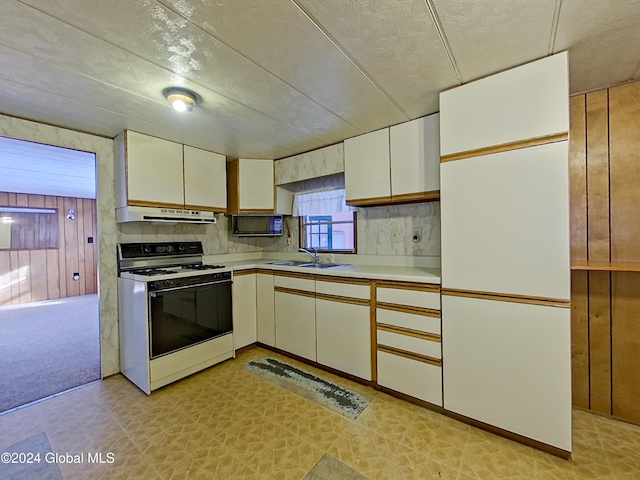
{"points": [[373, 272]]}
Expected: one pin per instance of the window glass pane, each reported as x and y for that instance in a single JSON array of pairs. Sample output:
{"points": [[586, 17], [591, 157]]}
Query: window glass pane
{"points": [[335, 232]]}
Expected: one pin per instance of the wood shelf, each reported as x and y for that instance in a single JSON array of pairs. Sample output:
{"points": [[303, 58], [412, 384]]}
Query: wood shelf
{"points": [[607, 266]]}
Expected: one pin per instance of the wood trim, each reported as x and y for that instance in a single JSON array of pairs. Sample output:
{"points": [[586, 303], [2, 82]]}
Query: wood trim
{"points": [[144, 203], [233, 187], [432, 337], [409, 399], [558, 452], [401, 285], [405, 198], [247, 271], [283, 273], [293, 291], [431, 195], [206, 208], [256, 210], [348, 280], [426, 312], [373, 331], [336, 298], [410, 355], [264, 271], [608, 266], [505, 297], [368, 202], [506, 147]]}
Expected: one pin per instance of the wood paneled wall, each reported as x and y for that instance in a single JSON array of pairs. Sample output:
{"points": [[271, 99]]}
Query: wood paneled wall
{"points": [[45, 274], [605, 228]]}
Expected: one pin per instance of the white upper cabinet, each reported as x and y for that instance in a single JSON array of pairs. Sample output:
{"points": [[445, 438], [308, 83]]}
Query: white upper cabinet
{"points": [[151, 171], [205, 180], [367, 172], [415, 156], [400, 164], [154, 171], [251, 186], [524, 103]]}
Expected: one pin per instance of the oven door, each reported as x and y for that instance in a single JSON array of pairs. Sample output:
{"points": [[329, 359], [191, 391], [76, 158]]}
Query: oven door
{"points": [[184, 316]]}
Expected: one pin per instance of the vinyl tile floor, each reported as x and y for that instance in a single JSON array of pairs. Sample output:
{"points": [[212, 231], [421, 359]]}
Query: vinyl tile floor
{"points": [[226, 423]]}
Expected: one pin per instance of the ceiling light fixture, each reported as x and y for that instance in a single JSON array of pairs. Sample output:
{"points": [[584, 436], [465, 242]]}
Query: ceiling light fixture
{"points": [[183, 100]]}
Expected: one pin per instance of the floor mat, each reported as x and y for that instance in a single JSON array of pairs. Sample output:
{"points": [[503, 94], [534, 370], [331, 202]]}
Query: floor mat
{"points": [[334, 397]]}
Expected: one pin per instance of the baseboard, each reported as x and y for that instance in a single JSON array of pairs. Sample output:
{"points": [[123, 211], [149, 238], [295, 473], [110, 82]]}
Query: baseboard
{"points": [[558, 452], [410, 399]]}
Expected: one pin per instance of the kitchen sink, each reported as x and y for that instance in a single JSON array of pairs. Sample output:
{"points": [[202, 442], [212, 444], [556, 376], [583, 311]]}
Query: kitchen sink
{"points": [[289, 263], [321, 265]]}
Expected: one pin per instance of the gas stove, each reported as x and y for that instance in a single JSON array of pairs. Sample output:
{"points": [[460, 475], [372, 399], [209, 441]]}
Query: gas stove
{"points": [[147, 261]]}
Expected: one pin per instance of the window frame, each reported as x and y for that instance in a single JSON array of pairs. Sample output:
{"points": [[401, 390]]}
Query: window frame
{"points": [[302, 234]]}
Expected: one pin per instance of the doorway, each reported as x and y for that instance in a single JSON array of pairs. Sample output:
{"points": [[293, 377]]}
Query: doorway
{"points": [[49, 320]]}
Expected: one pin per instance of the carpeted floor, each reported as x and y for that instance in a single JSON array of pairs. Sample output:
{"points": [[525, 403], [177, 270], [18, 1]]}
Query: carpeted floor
{"points": [[47, 347]]}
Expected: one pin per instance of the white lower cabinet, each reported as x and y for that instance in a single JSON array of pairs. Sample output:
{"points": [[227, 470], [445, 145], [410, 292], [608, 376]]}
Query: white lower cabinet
{"points": [[244, 309], [509, 365], [408, 334], [344, 337], [411, 377], [265, 309], [295, 315]]}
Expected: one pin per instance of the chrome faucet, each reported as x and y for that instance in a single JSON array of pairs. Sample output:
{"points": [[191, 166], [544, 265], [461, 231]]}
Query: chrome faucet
{"points": [[315, 255]]}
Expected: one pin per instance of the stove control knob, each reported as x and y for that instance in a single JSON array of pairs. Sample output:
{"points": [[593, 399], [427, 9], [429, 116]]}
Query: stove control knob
{"points": [[182, 247], [168, 283], [156, 285]]}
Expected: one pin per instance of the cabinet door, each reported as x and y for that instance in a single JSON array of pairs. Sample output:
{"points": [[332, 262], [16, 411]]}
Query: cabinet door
{"points": [[256, 185], [296, 324], [410, 376], [509, 365], [154, 171], [508, 233], [344, 337], [523, 103], [205, 180], [415, 156], [367, 174], [244, 310], [265, 309]]}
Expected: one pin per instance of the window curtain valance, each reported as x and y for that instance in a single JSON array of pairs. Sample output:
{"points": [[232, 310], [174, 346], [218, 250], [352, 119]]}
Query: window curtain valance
{"points": [[324, 202]]}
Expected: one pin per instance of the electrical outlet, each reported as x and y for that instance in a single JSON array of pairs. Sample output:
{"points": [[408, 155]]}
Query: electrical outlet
{"points": [[395, 235], [416, 234]]}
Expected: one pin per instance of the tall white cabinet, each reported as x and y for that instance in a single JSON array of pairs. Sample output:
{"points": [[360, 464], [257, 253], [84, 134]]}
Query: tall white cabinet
{"points": [[505, 251]]}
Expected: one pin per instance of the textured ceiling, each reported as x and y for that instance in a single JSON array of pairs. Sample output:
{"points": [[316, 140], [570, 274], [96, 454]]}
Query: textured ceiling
{"points": [[280, 77]]}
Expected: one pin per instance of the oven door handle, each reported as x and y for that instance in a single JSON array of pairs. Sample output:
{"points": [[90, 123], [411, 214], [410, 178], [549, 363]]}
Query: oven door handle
{"points": [[185, 287]]}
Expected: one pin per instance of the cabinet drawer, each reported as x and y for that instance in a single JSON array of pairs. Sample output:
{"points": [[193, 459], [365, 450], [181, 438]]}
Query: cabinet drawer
{"points": [[340, 289], [421, 323], [307, 284], [410, 344], [412, 298], [411, 377]]}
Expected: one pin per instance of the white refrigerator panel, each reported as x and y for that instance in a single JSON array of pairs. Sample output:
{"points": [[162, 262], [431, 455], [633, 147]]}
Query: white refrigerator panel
{"points": [[509, 365], [505, 222]]}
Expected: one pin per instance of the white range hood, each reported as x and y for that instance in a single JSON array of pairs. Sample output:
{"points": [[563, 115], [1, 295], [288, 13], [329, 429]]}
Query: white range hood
{"points": [[163, 215]]}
